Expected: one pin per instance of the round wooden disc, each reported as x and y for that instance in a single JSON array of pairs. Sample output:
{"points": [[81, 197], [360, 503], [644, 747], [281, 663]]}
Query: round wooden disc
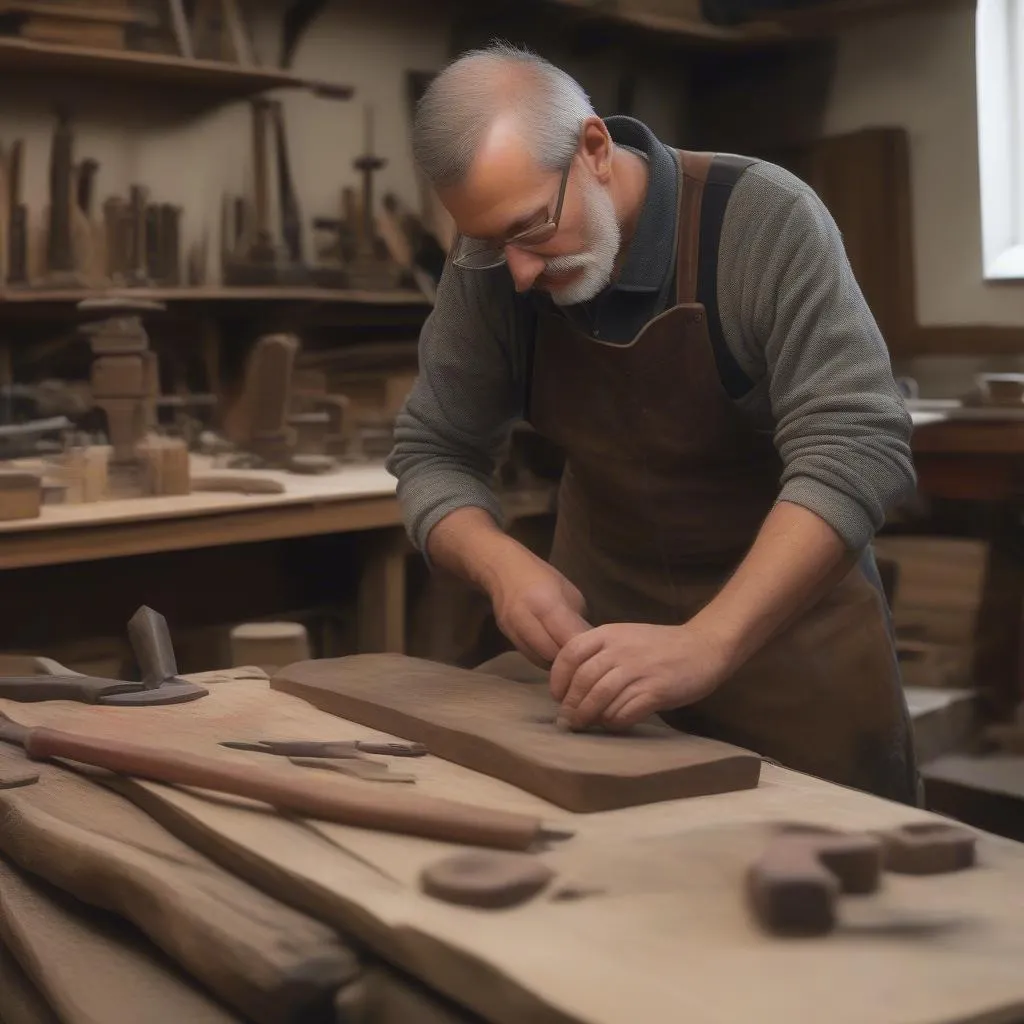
{"points": [[486, 878]]}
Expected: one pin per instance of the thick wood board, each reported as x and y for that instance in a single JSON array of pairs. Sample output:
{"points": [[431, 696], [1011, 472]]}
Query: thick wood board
{"points": [[665, 932], [92, 968], [272, 964], [506, 729], [20, 1000]]}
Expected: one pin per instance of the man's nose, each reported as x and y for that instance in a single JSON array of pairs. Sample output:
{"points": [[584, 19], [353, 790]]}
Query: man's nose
{"points": [[525, 267]]}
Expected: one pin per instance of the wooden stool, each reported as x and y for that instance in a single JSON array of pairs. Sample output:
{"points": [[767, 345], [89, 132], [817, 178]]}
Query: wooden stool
{"points": [[269, 645]]}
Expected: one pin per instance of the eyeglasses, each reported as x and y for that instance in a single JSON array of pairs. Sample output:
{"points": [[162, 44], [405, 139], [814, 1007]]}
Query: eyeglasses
{"points": [[475, 254]]}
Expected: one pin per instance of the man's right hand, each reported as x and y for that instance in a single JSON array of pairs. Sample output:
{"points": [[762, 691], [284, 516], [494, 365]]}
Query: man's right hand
{"points": [[535, 606]]}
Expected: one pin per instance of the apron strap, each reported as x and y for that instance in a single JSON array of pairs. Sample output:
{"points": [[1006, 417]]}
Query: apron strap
{"points": [[693, 173]]}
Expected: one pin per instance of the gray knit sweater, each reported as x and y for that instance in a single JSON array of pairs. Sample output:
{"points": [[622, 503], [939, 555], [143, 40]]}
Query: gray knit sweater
{"points": [[793, 318]]}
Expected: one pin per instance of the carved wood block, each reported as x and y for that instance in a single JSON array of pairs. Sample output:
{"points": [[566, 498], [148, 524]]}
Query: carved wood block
{"points": [[506, 729], [127, 421], [793, 887]]}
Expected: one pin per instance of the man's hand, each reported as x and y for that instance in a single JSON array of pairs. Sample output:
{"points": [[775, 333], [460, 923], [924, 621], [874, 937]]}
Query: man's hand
{"points": [[621, 673], [537, 608]]}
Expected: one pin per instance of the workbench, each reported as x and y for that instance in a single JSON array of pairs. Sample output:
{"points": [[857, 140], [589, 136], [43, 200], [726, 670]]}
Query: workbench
{"points": [[116, 535], [651, 924]]}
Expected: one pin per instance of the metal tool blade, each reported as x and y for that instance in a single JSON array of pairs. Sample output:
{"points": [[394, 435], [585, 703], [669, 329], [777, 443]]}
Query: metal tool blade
{"points": [[151, 641], [172, 691]]}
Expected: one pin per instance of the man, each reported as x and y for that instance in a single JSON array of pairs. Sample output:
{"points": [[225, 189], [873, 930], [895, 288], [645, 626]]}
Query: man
{"points": [[689, 332]]}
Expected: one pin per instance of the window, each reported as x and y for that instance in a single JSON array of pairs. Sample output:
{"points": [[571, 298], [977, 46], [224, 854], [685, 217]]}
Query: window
{"points": [[999, 57]]}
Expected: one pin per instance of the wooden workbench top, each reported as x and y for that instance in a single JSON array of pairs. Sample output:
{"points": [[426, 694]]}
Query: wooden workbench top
{"points": [[351, 482], [660, 929]]}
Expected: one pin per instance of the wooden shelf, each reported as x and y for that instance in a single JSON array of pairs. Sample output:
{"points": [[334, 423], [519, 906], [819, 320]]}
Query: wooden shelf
{"points": [[823, 20], [214, 78], [214, 294]]}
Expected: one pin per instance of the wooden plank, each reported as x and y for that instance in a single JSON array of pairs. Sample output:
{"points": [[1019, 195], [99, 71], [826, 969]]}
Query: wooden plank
{"points": [[20, 1001], [216, 78], [658, 930], [141, 537], [216, 294], [270, 963], [506, 729], [93, 969]]}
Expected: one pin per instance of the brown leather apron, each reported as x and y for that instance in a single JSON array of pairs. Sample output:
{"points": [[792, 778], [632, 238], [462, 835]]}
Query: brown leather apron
{"points": [[664, 489]]}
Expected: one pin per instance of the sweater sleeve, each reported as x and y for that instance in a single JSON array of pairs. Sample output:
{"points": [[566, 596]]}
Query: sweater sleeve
{"points": [[795, 316], [466, 398]]}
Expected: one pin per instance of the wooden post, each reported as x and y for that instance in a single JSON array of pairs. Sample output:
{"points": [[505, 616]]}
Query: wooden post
{"points": [[381, 612]]}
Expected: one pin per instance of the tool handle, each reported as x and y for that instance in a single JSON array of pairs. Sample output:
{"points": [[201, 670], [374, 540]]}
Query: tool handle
{"points": [[151, 641], [87, 689], [329, 799]]}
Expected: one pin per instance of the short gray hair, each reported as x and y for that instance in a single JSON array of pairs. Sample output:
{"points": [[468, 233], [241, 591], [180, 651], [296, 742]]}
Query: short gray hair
{"points": [[466, 98]]}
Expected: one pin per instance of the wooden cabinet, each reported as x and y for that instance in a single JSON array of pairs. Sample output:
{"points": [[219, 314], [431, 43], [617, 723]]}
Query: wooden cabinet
{"points": [[864, 180]]}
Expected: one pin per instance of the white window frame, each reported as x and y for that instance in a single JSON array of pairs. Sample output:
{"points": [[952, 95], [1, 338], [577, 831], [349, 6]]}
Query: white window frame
{"points": [[999, 59]]}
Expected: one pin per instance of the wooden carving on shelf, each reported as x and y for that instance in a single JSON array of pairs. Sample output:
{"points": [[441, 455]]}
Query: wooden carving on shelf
{"points": [[506, 729]]}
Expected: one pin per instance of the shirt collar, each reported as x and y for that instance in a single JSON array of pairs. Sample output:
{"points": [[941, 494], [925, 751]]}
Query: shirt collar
{"points": [[650, 253]]}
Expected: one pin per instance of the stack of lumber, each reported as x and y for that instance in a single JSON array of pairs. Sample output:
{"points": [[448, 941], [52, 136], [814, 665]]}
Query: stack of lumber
{"points": [[130, 900], [939, 585]]}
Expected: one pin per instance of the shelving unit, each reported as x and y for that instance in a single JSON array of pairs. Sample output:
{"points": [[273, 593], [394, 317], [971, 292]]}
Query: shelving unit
{"points": [[215, 294], [216, 80]]}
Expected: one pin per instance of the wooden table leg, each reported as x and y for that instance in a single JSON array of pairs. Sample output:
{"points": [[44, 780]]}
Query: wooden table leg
{"points": [[381, 626], [997, 661]]}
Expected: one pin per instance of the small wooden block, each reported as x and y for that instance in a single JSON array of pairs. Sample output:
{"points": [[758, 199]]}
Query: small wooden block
{"points": [[270, 645], [493, 880], [795, 884], [928, 849], [21, 495], [12, 778], [167, 465]]}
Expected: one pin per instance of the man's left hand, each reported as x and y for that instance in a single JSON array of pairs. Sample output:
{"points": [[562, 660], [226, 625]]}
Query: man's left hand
{"points": [[618, 674]]}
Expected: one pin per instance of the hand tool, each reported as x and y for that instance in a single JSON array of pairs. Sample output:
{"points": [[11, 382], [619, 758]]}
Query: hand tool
{"points": [[369, 771], [151, 643], [316, 797], [328, 748]]}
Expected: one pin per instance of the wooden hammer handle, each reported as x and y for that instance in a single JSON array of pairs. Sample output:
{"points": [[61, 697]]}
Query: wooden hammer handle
{"points": [[330, 799]]}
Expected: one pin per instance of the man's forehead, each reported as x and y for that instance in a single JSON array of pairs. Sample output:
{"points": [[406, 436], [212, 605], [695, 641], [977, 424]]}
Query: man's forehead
{"points": [[504, 184]]}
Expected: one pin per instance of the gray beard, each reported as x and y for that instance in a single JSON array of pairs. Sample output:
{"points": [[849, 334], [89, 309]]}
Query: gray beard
{"points": [[597, 261]]}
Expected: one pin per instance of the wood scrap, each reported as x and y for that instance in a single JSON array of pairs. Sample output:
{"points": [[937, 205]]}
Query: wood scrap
{"points": [[928, 849], [20, 1000], [271, 963], [237, 483], [794, 885], [490, 879], [93, 968], [507, 730]]}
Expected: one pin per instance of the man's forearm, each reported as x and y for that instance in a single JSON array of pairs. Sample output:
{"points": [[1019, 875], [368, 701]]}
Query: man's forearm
{"points": [[796, 559], [469, 544]]}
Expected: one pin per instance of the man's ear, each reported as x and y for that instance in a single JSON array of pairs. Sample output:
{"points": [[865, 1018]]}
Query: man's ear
{"points": [[596, 148]]}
